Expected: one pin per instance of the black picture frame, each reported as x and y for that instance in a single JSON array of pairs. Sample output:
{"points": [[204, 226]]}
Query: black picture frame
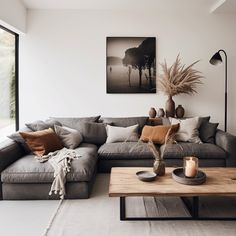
{"points": [[130, 65]]}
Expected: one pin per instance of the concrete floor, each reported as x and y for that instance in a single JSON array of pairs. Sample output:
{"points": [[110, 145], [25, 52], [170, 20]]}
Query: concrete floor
{"points": [[25, 218]]}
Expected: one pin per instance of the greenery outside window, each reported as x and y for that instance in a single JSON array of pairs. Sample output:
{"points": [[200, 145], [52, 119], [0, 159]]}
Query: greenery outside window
{"points": [[9, 112]]}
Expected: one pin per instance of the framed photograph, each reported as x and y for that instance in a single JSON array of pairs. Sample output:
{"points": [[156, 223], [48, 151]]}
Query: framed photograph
{"points": [[131, 65]]}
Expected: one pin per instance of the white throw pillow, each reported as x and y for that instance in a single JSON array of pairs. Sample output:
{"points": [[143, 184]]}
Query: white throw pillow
{"points": [[71, 138], [122, 134], [188, 130]]}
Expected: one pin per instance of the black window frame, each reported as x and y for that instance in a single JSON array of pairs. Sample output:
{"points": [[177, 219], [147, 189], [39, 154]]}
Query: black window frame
{"points": [[16, 74]]}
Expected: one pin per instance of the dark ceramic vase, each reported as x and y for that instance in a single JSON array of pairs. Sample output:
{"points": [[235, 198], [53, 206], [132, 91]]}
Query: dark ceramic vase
{"points": [[179, 112], [170, 107], [152, 112], [161, 112]]}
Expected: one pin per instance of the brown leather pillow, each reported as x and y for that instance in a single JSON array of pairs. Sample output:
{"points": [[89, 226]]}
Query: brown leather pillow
{"points": [[157, 134], [42, 142]]}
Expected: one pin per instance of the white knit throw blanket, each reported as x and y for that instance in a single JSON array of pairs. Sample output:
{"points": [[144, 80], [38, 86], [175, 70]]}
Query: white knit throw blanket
{"points": [[61, 163]]}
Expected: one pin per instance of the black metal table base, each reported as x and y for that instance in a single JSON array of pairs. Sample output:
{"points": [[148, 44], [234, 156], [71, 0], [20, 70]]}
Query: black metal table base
{"points": [[192, 206]]}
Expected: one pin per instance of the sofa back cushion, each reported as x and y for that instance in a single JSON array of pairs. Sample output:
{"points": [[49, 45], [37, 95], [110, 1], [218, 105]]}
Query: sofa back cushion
{"points": [[157, 134], [41, 125], [94, 133], [74, 122], [126, 121], [42, 142]]}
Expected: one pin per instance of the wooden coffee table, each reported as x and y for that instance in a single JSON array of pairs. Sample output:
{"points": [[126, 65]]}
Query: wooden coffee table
{"points": [[124, 183]]}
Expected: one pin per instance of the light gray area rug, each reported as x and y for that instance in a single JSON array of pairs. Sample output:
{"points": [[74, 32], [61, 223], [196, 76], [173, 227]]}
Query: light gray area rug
{"points": [[99, 216]]}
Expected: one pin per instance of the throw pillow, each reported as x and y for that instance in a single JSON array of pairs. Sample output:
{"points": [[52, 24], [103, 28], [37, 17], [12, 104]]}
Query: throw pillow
{"points": [[126, 121], [41, 125], [188, 130], [70, 138], [157, 134], [93, 132], [42, 142], [203, 120], [208, 132], [122, 134], [18, 139]]}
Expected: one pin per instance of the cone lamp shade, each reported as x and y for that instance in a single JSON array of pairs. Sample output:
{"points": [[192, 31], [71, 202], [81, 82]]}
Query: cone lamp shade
{"points": [[216, 59]]}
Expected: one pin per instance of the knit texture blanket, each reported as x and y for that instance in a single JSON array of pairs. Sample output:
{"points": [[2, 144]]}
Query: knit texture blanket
{"points": [[61, 163]]}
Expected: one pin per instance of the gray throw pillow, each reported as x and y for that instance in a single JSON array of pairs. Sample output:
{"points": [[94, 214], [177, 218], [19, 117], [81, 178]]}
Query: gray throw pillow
{"points": [[70, 138], [188, 130], [74, 122], [126, 121], [208, 132], [122, 134], [94, 133], [203, 120], [41, 125], [19, 139]]}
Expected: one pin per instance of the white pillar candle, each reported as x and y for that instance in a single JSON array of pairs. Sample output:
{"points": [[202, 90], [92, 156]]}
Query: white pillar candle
{"points": [[190, 168]]}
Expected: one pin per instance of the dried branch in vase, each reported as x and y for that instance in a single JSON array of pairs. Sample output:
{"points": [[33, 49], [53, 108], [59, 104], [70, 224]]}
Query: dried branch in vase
{"points": [[169, 139], [159, 164], [178, 78]]}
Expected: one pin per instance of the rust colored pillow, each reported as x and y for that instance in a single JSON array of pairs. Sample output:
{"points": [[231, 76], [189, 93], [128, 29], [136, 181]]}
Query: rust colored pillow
{"points": [[42, 142], [157, 134]]}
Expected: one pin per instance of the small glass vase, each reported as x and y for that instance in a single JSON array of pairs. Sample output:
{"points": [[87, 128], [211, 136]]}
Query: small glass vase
{"points": [[190, 167]]}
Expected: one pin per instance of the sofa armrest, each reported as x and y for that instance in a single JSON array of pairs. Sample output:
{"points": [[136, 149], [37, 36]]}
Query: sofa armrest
{"points": [[227, 142], [10, 151]]}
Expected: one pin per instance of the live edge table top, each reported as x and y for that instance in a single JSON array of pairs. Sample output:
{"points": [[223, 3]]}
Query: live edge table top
{"points": [[124, 182]]}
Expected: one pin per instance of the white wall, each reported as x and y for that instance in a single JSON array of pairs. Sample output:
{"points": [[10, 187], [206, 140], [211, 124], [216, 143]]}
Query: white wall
{"points": [[13, 15], [63, 55]]}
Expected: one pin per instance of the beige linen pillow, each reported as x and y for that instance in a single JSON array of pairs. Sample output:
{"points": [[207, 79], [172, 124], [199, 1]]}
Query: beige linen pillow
{"points": [[188, 130], [71, 138], [122, 134]]}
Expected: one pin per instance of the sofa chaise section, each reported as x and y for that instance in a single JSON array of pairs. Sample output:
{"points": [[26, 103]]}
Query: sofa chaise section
{"points": [[27, 178]]}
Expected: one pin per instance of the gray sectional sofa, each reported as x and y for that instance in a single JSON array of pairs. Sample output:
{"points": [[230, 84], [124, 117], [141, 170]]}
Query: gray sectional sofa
{"points": [[22, 177]]}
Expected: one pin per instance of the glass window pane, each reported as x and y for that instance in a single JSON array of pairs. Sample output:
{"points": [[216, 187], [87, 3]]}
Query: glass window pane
{"points": [[7, 84]]}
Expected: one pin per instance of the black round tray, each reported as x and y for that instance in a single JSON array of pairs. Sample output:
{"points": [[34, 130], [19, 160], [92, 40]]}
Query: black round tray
{"points": [[178, 176], [146, 176]]}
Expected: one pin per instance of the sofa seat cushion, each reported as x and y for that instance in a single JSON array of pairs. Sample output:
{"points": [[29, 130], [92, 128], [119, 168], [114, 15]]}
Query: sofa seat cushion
{"points": [[28, 170], [124, 151], [202, 151]]}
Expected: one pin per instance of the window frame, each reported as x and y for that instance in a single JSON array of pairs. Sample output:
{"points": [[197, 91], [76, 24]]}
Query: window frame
{"points": [[16, 74]]}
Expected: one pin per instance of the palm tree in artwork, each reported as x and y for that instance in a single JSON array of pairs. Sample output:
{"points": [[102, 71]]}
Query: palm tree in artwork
{"points": [[142, 57], [147, 48], [135, 58]]}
